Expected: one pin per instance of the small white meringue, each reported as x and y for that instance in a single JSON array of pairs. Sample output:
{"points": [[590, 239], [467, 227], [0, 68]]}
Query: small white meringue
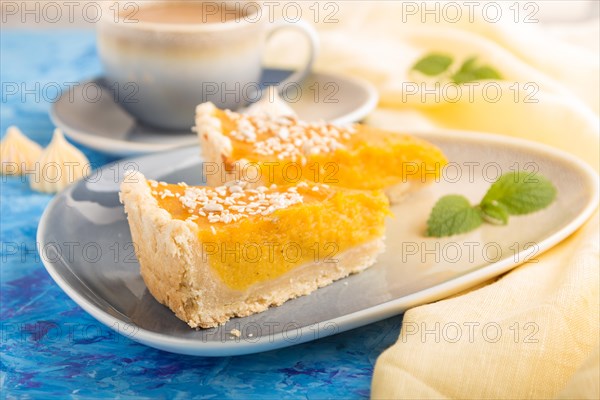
{"points": [[18, 153], [60, 164], [271, 105]]}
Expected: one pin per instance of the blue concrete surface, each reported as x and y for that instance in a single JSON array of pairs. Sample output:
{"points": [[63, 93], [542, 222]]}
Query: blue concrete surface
{"points": [[51, 347]]}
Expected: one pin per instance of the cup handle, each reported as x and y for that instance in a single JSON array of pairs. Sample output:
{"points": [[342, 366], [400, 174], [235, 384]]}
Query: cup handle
{"points": [[311, 34]]}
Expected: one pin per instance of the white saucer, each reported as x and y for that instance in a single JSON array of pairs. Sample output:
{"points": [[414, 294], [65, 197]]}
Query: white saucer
{"points": [[98, 122]]}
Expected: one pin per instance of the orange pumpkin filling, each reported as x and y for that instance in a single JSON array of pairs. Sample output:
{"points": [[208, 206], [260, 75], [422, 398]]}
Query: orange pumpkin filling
{"points": [[250, 236], [286, 150]]}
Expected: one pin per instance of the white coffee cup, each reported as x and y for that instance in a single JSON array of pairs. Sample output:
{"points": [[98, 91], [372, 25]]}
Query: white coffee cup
{"points": [[161, 70]]}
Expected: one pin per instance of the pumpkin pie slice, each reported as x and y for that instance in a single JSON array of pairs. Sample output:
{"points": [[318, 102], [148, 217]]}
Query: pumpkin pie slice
{"points": [[265, 149], [213, 253]]}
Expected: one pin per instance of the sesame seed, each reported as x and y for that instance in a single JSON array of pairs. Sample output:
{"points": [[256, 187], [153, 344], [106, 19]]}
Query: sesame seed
{"points": [[221, 205], [286, 137], [212, 207]]}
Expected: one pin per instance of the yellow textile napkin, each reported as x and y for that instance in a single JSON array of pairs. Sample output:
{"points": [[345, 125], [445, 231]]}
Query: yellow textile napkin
{"points": [[531, 331], [534, 332]]}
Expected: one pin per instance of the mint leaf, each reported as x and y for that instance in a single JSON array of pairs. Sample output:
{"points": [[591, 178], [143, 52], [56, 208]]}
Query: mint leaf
{"points": [[469, 72], [494, 213], [520, 193], [451, 215], [433, 64], [514, 193]]}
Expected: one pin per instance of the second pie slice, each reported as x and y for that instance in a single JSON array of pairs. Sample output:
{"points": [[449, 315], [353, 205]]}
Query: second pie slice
{"points": [[263, 149]]}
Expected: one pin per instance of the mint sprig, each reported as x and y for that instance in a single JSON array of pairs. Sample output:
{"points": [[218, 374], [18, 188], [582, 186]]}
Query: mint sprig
{"points": [[514, 193], [435, 64]]}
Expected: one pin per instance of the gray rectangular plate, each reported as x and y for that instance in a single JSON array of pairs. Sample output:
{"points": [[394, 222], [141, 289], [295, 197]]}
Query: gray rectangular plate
{"points": [[102, 274]]}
